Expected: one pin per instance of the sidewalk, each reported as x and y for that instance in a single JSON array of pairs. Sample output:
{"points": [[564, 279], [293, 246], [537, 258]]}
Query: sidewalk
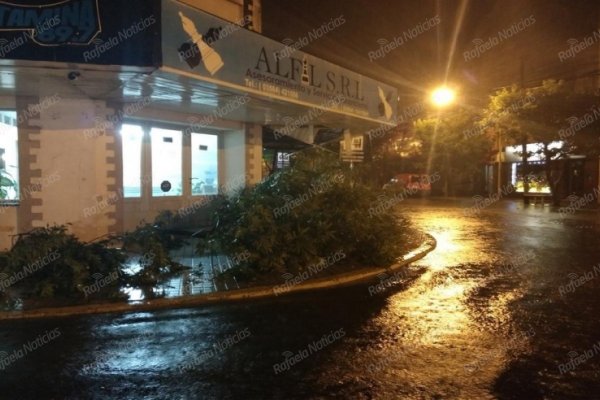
{"points": [[187, 292]]}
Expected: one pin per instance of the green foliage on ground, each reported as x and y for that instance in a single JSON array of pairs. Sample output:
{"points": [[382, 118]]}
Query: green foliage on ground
{"points": [[152, 242], [51, 263], [301, 215]]}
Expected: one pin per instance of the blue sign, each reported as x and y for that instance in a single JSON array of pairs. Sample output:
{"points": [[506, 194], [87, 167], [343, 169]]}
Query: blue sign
{"points": [[101, 32], [64, 22]]}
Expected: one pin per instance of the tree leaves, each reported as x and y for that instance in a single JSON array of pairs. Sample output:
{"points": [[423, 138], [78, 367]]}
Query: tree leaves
{"points": [[302, 214]]}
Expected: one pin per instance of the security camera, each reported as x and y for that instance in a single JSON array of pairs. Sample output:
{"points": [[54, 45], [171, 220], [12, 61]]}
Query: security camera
{"points": [[73, 75]]}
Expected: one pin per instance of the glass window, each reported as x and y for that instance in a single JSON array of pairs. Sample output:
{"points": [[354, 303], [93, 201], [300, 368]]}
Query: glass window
{"points": [[536, 177], [9, 156], [132, 136], [166, 162], [204, 177]]}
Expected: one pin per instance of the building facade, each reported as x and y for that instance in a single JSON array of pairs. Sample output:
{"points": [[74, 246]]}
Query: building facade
{"points": [[111, 113]]}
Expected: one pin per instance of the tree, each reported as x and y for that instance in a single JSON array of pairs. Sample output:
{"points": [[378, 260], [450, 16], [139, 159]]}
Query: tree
{"points": [[454, 145], [301, 215], [502, 115], [391, 151]]}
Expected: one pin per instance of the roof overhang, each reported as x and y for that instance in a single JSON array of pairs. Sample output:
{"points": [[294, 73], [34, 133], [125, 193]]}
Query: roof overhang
{"points": [[238, 75]]}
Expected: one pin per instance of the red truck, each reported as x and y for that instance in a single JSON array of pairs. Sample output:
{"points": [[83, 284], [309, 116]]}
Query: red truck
{"points": [[411, 183]]}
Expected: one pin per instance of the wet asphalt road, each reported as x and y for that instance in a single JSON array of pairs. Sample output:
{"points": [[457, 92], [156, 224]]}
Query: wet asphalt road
{"points": [[507, 307]]}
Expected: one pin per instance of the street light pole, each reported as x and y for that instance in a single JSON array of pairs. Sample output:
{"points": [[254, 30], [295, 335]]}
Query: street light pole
{"points": [[443, 97], [499, 160]]}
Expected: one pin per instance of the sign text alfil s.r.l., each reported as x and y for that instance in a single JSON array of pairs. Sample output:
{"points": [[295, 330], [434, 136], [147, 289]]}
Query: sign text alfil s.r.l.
{"points": [[292, 68]]}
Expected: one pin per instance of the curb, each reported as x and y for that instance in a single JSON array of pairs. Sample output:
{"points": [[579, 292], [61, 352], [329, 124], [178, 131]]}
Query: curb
{"points": [[261, 292]]}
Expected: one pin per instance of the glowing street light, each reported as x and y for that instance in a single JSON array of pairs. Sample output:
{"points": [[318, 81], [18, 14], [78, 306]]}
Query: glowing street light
{"points": [[443, 96]]}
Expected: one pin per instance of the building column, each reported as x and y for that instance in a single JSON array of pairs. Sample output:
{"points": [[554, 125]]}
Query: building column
{"points": [[253, 154], [30, 171]]}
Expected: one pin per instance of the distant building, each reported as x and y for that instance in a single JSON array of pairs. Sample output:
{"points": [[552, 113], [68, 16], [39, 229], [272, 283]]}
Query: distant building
{"points": [[576, 175]]}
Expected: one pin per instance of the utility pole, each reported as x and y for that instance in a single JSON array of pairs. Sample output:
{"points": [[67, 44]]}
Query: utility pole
{"points": [[524, 155], [499, 160]]}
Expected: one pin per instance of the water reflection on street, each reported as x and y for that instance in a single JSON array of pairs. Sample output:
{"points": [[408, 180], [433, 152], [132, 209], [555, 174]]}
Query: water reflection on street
{"points": [[482, 317]]}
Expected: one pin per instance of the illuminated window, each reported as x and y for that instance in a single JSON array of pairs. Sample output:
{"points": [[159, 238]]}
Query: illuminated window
{"points": [[283, 160], [9, 156], [132, 136], [166, 162], [204, 175], [536, 175], [166, 172]]}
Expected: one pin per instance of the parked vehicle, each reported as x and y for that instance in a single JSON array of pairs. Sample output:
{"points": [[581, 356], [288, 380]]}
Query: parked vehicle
{"points": [[414, 184]]}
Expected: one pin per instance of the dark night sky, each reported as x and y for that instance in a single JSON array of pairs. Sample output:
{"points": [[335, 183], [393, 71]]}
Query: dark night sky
{"points": [[421, 62]]}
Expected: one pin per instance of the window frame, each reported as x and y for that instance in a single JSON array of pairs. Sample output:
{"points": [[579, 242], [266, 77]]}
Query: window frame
{"points": [[150, 178], [15, 119], [191, 166], [186, 164], [141, 166]]}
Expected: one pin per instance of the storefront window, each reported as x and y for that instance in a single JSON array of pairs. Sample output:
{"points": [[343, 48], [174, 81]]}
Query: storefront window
{"points": [[536, 177], [166, 150], [204, 177], [9, 157], [132, 136], [166, 162], [536, 172]]}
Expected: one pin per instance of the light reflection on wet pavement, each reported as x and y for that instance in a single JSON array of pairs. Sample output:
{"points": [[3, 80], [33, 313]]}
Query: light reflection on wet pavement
{"points": [[482, 317]]}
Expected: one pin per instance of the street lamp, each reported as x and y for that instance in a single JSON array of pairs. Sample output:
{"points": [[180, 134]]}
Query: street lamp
{"points": [[442, 96]]}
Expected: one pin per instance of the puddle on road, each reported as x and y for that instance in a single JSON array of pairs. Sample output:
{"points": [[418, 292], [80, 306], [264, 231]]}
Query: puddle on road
{"points": [[444, 332], [431, 343]]}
